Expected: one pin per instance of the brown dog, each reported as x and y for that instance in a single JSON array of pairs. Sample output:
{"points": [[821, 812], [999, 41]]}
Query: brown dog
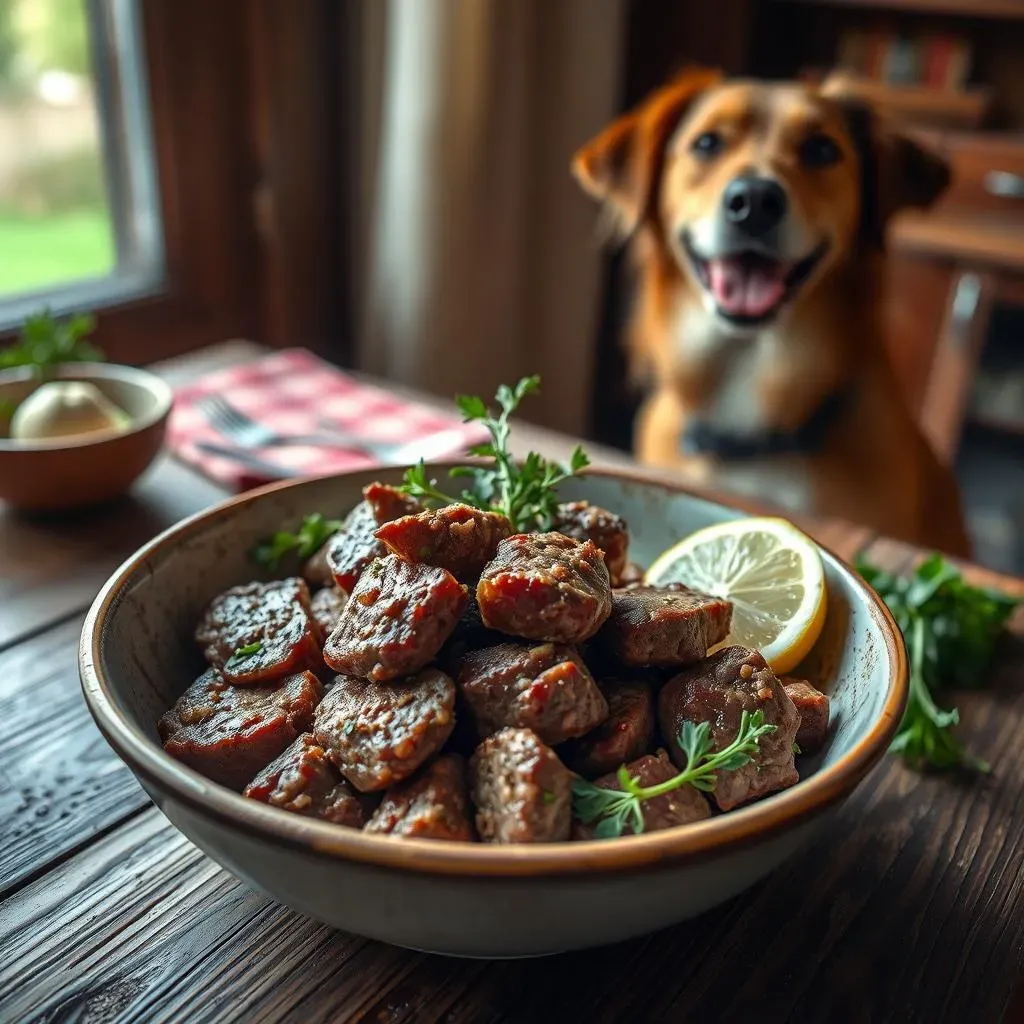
{"points": [[756, 214]]}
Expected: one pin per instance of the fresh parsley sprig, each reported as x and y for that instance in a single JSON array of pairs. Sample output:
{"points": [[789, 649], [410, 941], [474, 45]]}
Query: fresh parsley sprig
{"points": [[616, 809], [309, 538], [46, 342], [950, 629], [524, 492]]}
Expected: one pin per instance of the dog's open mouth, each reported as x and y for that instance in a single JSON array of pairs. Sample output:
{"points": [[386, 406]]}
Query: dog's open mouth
{"points": [[750, 287]]}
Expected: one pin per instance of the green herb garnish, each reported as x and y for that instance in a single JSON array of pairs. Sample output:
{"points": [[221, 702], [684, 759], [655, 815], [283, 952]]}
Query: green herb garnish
{"points": [[311, 535], [46, 342], [950, 629], [796, 748], [524, 492], [248, 650], [615, 809]]}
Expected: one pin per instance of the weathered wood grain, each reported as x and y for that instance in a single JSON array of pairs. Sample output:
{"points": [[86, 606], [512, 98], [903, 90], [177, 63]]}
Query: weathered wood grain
{"points": [[60, 783], [905, 907]]}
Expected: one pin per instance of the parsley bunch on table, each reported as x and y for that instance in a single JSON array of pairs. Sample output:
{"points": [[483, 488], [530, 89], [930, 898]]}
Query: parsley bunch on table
{"points": [[524, 492], [614, 809], [45, 342], [950, 629]]}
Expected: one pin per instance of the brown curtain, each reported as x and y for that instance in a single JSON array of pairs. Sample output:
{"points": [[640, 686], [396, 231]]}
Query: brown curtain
{"points": [[477, 258]]}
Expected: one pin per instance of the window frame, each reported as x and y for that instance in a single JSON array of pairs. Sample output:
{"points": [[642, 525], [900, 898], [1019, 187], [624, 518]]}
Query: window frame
{"points": [[243, 111]]}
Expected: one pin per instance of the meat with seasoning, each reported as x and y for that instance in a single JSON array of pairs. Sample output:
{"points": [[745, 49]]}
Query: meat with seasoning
{"points": [[663, 626], [628, 732], [354, 546], [228, 733], [543, 687], [433, 804], [399, 615], [545, 586], [677, 807], [304, 781], [378, 734], [608, 531], [521, 790], [718, 690], [457, 537], [327, 606], [260, 631], [813, 708]]}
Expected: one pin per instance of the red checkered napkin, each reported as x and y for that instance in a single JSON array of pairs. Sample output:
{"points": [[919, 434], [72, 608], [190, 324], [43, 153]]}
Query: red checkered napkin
{"points": [[293, 392]]}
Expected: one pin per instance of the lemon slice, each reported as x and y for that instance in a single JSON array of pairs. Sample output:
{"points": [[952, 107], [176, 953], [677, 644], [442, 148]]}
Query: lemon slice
{"points": [[769, 570]]}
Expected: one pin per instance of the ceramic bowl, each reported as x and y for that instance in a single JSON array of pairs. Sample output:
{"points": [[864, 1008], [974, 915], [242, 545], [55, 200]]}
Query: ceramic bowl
{"points": [[137, 656], [66, 473]]}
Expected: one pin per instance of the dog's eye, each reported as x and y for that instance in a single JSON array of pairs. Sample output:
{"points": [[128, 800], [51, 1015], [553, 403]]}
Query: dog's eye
{"points": [[819, 150], [707, 145]]}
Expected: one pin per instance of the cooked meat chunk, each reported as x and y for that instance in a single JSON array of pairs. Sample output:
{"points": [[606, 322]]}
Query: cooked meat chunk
{"points": [[327, 606], [545, 586], [718, 690], [431, 805], [627, 732], [399, 615], [661, 626], [316, 572], [812, 707], [678, 807], [546, 688], [608, 531], [261, 631], [378, 734], [228, 733], [303, 780], [354, 547], [521, 791], [632, 575], [457, 537]]}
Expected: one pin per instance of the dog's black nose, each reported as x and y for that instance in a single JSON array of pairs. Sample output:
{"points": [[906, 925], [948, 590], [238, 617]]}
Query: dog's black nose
{"points": [[754, 204]]}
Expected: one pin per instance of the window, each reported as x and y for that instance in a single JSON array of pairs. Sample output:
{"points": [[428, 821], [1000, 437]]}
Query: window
{"points": [[79, 207]]}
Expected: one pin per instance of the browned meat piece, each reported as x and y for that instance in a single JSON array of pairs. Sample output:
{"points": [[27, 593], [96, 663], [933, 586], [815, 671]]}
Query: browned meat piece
{"points": [[718, 690], [354, 547], [399, 615], [228, 733], [812, 707], [457, 537], [380, 733], [678, 807], [546, 688], [663, 626], [261, 631], [431, 805], [327, 606], [632, 575], [608, 531], [303, 780], [521, 791], [545, 586], [627, 732]]}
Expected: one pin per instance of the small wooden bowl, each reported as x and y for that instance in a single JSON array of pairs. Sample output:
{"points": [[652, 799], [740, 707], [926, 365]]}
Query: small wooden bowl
{"points": [[66, 473]]}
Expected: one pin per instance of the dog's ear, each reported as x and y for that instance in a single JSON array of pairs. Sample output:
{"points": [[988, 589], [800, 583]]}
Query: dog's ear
{"points": [[622, 165], [897, 173]]}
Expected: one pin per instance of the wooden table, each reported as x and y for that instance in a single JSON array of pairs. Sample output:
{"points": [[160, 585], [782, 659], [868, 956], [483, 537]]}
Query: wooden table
{"points": [[907, 907]]}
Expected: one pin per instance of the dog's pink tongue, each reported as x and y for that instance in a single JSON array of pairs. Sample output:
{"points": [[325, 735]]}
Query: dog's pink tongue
{"points": [[742, 288]]}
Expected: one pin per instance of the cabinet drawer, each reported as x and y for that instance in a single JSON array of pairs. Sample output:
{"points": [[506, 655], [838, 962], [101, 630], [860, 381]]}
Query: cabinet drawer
{"points": [[988, 173]]}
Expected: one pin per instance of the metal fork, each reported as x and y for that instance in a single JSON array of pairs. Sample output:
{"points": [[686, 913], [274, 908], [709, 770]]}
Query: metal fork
{"points": [[247, 433]]}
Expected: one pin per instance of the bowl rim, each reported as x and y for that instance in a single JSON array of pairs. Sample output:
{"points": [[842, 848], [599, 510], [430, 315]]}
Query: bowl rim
{"points": [[156, 386], [698, 841]]}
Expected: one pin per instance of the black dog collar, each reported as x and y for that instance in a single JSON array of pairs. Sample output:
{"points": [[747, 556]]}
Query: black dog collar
{"points": [[701, 438]]}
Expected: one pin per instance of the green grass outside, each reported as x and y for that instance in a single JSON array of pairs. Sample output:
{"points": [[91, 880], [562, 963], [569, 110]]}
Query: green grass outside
{"points": [[55, 249]]}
